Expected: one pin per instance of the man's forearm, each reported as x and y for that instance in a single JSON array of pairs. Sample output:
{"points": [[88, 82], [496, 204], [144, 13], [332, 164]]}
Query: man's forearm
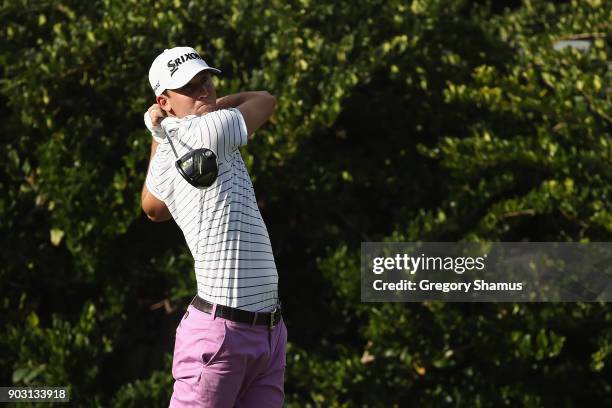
{"points": [[233, 100], [154, 208], [145, 191]]}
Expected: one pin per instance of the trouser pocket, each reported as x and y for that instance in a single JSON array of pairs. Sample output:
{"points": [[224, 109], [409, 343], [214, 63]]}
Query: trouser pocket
{"points": [[213, 342]]}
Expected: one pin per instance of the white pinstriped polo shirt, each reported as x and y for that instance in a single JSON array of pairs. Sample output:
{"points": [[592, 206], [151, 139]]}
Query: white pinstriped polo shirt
{"points": [[222, 225]]}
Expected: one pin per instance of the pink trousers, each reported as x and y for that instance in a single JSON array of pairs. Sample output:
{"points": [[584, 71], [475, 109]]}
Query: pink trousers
{"points": [[221, 363]]}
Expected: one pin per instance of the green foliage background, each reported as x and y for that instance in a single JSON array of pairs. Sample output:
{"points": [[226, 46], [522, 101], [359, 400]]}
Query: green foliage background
{"points": [[441, 120]]}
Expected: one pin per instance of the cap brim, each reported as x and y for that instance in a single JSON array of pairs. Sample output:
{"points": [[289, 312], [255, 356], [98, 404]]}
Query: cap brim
{"points": [[187, 75]]}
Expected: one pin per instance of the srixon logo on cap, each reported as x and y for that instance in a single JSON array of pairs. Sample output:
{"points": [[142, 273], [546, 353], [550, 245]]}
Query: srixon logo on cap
{"points": [[174, 64]]}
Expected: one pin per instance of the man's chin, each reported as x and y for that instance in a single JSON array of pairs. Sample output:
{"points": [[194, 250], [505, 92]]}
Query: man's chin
{"points": [[204, 109]]}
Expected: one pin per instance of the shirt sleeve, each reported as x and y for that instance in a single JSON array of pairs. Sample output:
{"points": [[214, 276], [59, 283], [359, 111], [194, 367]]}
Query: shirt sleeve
{"points": [[158, 175], [224, 131], [158, 138], [239, 126]]}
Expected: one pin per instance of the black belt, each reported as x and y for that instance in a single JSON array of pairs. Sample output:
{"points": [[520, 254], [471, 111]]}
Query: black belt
{"points": [[269, 319]]}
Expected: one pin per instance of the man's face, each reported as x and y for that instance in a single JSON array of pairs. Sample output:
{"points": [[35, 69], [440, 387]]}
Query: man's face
{"points": [[197, 97]]}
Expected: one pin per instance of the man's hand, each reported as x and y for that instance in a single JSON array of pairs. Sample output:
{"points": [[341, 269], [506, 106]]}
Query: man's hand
{"points": [[152, 118], [157, 114]]}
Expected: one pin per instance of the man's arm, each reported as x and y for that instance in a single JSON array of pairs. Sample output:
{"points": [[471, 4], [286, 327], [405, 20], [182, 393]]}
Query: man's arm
{"points": [[256, 107], [155, 209]]}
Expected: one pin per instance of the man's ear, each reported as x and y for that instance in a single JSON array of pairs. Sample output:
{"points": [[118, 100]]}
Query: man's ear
{"points": [[164, 102]]}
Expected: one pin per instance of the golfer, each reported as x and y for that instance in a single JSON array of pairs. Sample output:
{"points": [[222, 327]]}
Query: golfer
{"points": [[230, 344]]}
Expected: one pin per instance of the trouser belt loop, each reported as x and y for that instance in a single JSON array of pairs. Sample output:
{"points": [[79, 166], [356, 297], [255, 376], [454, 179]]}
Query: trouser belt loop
{"points": [[254, 319], [214, 311]]}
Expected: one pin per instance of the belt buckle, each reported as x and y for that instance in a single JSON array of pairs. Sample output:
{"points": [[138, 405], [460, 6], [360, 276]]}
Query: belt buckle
{"points": [[272, 323]]}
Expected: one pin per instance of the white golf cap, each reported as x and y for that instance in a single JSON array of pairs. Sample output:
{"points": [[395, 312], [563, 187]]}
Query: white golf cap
{"points": [[175, 67]]}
